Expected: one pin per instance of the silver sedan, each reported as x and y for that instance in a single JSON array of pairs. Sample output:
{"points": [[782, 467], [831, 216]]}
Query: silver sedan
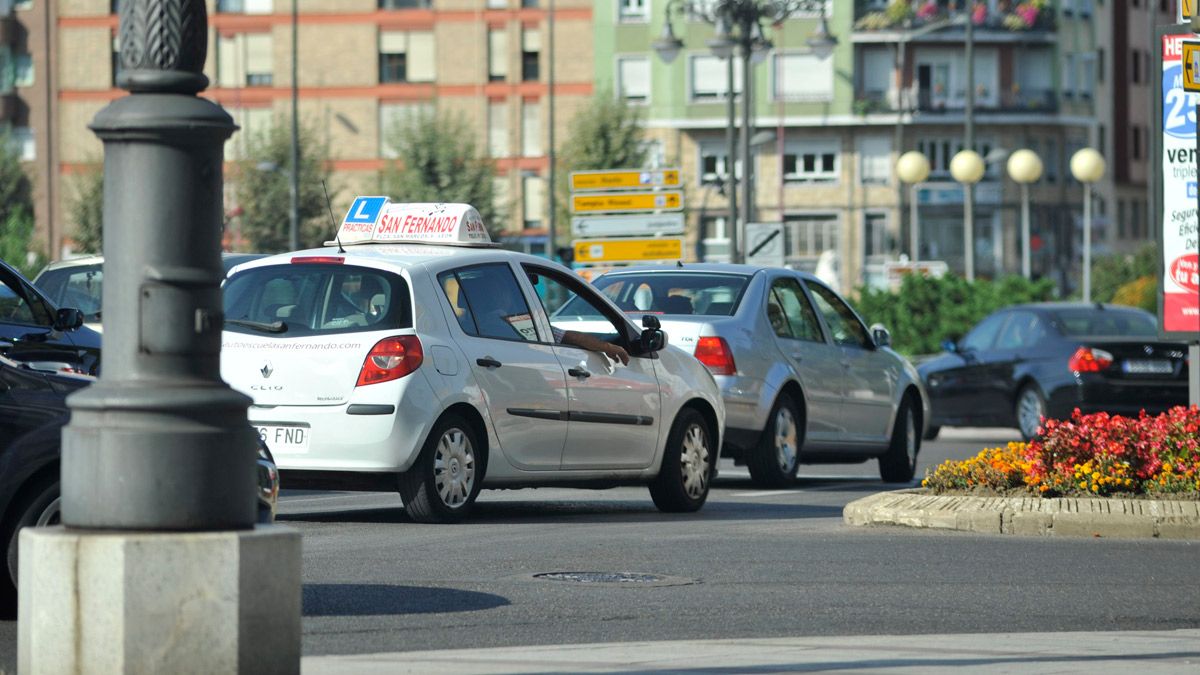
{"points": [[804, 380]]}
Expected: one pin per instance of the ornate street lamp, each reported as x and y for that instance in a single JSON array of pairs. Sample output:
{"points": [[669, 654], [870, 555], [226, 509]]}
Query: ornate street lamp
{"points": [[1025, 167], [1087, 166], [738, 28], [913, 168], [968, 168]]}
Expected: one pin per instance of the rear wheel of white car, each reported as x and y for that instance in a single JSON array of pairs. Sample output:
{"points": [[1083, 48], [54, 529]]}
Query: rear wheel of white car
{"points": [[682, 481], [444, 482], [899, 463], [773, 464]]}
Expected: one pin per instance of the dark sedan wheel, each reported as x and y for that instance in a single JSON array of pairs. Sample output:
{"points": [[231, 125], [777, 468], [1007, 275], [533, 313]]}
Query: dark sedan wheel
{"points": [[900, 462], [773, 464], [931, 432], [38, 507], [1031, 408]]}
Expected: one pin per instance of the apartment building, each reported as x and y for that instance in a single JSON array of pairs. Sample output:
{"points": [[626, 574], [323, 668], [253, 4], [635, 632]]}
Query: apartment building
{"points": [[363, 67], [836, 123]]}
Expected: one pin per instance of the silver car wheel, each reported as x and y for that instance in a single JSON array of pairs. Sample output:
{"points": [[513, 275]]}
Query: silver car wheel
{"points": [[910, 438], [454, 468], [1030, 411], [694, 461], [785, 440]]}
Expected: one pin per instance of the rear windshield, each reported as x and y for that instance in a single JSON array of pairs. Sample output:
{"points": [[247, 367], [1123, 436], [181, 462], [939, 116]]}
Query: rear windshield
{"points": [[315, 299], [675, 293], [1106, 323], [79, 287]]}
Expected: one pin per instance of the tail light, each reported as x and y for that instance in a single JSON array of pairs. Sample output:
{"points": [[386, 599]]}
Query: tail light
{"points": [[714, 353], [1089, 360], [391, 359], [318, 260]]}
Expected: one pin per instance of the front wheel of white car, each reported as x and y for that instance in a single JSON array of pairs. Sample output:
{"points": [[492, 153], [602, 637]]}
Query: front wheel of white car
{"points": [[683, 479], [444, 482]]}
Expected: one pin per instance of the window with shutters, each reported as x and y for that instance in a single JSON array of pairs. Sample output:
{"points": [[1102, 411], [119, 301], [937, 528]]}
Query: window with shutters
{"points": [[531, 129], [633, 11], [245, 60], [245, 6], [406, 56], [802, 77], [534, 191], [497, 55], [393, 119], [633, 78], [810, 162], [498, 145], [874, 159], [710, 79], [252, 122], [531, 49]]}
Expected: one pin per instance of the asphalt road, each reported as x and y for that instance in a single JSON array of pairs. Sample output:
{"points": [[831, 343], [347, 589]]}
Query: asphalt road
{"points": [[752, 563]]}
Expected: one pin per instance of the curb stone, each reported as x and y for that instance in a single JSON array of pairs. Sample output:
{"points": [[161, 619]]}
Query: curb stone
{"points": [[1028, 516]]}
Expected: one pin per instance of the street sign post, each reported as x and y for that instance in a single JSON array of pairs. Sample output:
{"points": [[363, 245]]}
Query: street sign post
{"points": [[1185, 8], [624, 179], [627, 202], [627, 250], [764, 244], [634, 225]]}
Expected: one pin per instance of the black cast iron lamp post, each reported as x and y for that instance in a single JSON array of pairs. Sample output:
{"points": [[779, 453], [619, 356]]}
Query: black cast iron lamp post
{"points": [[738, 30]]}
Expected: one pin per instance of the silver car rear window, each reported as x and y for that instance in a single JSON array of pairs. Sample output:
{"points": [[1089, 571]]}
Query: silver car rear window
{"points": [[307, 299], [675, 293]]}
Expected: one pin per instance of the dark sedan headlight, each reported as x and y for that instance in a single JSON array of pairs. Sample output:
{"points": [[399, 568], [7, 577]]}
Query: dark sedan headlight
{"points": [[268, 484]]}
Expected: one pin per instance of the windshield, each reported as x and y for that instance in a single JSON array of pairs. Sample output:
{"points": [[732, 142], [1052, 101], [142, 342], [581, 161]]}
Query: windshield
{"points": [[315, 299], [694, 293], [76, 286], [1106, 323]]}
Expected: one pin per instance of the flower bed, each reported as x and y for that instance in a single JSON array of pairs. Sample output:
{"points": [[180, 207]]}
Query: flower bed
{"points": [[1088, 455]]}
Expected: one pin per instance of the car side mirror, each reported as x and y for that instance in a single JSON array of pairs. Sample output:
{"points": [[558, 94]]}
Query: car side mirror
{"points": [[650, 321], [68, 318], [881, 335], [653, 340], [950, 346]]}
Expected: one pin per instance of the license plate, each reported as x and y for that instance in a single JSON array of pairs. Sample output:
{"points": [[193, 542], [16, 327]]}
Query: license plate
{"points": [[1148, 367], [285, 439]]}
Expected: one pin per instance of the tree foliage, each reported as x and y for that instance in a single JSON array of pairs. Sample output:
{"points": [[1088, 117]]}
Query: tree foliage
{"points": [[1112, 272], [262, 188], [927, 310], [87, 210], [438, 161], [16, 212], [607, 134]]}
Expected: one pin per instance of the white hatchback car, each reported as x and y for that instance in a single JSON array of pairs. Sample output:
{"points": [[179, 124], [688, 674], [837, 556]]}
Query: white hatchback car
{"points": [[414, 355]]}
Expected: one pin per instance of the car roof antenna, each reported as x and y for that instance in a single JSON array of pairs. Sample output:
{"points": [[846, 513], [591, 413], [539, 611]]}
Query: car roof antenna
{"points": [[679, 263], [332, 220]]}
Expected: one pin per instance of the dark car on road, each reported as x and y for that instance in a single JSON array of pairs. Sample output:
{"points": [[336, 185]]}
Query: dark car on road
{"points": [[32, 328], [33, 411], [1027, 362]]}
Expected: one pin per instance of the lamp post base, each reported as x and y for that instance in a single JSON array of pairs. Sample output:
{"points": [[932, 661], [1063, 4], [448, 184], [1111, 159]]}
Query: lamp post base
{"points": [[148, 602]]}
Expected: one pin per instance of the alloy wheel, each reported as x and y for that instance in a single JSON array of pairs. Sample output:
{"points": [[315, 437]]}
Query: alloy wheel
{"points": [[52, 515], [785, 440], [695, 461], [1029, 412], [454, 468]]}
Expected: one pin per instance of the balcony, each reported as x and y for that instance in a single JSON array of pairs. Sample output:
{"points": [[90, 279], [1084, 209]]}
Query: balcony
{"points": [[929, 103], [999, 17]]}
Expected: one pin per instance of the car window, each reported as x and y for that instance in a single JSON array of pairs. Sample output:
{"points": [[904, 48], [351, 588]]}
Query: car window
{"points": [[983, 335], [488, 302], [843, 324], [1024, 329], [569, 305], [80, 287], [1106, 322], [689, 293], [797, 311], [317, 299], [16, 308]]}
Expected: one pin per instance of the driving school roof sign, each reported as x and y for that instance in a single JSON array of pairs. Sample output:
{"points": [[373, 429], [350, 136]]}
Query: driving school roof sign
{"points": [[376, 220]]}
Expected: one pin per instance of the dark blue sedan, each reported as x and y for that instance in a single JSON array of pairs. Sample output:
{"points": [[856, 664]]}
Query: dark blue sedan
{"points": [[1027, 362]]}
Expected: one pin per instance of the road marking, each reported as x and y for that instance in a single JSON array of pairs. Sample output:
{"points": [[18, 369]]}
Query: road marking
{"points": [[772, 493]]}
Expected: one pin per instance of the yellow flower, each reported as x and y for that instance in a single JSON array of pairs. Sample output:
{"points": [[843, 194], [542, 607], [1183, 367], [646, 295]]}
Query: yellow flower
{"points": [[1095, 488]]}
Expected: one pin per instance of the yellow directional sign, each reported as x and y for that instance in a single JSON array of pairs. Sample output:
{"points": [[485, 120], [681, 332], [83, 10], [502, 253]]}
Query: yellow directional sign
{"points": [[628, 202], [1186, 7], [1191, 66], [627, 250], [621, 179]]}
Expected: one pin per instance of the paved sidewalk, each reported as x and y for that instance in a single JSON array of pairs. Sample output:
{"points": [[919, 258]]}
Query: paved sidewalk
{"points": [[1065, 517], [1143, 652]]}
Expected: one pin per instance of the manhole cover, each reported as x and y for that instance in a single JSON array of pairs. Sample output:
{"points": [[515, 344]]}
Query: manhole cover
{"points": [[614, 578]]}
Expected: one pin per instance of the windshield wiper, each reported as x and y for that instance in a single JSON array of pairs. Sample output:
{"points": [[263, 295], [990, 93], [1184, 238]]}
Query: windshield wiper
{"points": [[276, 327]]}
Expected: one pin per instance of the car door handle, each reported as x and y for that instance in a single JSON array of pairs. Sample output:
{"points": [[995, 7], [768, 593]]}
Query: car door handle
{"points": [[579, 372], [798, 356], [488, 362]]}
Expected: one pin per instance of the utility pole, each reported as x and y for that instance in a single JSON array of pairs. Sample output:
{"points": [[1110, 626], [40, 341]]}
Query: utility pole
{"points": [[159, 566], [969, 144], [551, 240], [294, 183]]}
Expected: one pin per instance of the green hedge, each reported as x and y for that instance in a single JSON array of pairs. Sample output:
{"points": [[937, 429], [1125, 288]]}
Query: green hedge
{"points": [[928, 310]]}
